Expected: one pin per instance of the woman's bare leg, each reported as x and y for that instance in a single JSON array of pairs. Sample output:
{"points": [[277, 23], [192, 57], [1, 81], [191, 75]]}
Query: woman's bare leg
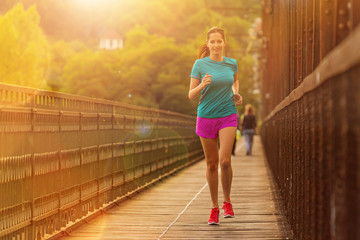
{"points": [[226, 136], [210, 147]]}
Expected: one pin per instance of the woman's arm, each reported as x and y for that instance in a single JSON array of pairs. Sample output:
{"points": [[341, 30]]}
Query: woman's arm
{"points": [[235, 86], [196, 87], [235, 89]]}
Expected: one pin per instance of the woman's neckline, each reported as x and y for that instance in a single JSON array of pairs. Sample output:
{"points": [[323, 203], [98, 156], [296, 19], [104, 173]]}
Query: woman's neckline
{"points": [[223, 59]]}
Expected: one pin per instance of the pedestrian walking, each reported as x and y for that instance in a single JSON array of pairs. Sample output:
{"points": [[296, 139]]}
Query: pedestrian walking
{"points": [[214, 80], [248, 127]]}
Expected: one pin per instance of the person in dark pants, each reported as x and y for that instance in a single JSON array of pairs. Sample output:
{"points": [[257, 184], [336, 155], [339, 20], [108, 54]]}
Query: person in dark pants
{"points": [[248, 127]]}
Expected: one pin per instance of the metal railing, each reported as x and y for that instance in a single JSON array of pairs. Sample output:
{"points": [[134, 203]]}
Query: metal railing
{"points": [[63, 157], [311, 129]]}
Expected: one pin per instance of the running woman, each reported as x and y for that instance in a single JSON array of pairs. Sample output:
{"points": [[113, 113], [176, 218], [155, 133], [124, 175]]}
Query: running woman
{"points": [[214, 79]]}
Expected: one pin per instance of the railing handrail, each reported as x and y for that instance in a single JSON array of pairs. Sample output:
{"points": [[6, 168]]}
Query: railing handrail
{"points": [[85, 99], [339, 60]]}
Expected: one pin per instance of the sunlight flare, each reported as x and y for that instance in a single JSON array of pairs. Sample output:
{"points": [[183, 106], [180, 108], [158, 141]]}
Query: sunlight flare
{"points": [[92, 3]]}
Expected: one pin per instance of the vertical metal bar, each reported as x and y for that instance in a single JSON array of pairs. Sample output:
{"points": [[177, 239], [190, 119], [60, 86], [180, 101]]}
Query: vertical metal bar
{"points": [[309, 39], [113, 162], [316, 40], [79, 207], [352, 133], [97, 170], [343, 23], [312, 167], [32, 233], [303, 39], [354, 8], [327, 26], [293, 170], [297, 160], [278, 42], [293, 45], [340, 229], [303, 177], [58, 221], [328, 128], [320, 170], [299, 42], [266, 57]]}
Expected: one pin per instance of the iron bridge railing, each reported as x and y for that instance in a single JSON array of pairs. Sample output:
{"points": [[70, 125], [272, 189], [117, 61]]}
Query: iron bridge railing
{"points": [[311, 127], [63, 157]]}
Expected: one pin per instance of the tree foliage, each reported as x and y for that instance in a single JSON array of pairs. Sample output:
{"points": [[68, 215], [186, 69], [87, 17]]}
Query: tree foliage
{"points": [[161, 42], [23, 47]]}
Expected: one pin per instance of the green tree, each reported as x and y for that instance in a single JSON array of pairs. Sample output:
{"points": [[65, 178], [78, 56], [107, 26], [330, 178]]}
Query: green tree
{"points": [[91, 74], [23, 47], [61, 53], [159, 66], [161, 44]]}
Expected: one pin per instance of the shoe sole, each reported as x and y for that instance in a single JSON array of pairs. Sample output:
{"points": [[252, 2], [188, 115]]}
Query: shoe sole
{"points": [[213, 223], [229, 216]]}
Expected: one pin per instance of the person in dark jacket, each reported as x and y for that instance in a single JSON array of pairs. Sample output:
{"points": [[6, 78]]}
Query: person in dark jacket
{"points": [[248, 127]]}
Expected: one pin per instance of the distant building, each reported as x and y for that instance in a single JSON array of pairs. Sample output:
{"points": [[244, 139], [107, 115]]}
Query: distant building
{"points": [[111, 40]]}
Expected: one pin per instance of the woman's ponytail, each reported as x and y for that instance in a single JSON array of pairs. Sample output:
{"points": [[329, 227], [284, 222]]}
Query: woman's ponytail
{"points": [[204, 51]]}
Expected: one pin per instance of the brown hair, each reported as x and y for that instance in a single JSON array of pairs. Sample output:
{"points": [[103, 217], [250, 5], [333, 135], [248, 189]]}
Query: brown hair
{"points": [[204, 51], [249, 109]]}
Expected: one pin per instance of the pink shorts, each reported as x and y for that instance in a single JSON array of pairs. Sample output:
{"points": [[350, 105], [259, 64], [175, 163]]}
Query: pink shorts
{"points": [[210, 127]]}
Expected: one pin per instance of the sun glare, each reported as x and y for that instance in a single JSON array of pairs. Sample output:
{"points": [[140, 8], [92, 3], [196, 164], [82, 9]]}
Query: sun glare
{"points": [[91, 3]]}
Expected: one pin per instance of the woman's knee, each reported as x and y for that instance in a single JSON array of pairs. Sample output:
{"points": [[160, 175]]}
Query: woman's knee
{"points": [[225, 162], [212, 165]]}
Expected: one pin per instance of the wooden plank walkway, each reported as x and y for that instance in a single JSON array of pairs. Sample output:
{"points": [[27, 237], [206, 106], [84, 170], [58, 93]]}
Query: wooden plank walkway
{"points": [[178, 207]]}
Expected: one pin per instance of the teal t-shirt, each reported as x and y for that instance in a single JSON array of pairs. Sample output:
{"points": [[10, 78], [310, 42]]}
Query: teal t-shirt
{"points": [[216, 99]]}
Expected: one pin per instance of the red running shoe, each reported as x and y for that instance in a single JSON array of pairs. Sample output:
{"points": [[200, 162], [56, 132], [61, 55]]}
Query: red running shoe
{"points": [[214, 217], [228, 211]]}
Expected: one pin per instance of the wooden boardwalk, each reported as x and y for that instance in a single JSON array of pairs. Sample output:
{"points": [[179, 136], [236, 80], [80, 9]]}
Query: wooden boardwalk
{"points": [[178, 207]]}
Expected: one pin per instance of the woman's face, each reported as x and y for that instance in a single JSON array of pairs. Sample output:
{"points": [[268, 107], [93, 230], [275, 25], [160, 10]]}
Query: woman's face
{"points": [[216, 43]]}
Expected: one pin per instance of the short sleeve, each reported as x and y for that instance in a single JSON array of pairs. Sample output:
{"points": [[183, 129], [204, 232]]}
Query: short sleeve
{"points": [[235, 66], [233, 63], [195, 73]]}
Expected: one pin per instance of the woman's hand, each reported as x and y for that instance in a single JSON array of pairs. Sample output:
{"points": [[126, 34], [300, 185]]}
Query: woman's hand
{"points": [[237, 99], [196, 87], [206, 80]]}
